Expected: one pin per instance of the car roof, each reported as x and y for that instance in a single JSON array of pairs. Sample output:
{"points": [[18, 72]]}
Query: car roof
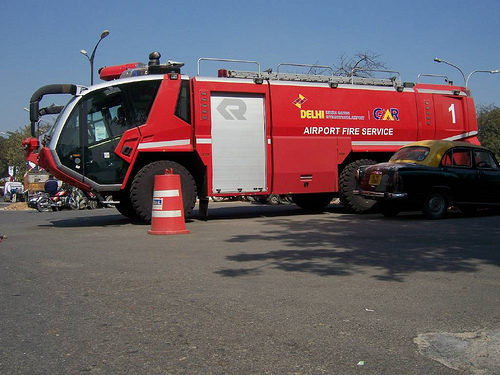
{"points": [[438, 148]]}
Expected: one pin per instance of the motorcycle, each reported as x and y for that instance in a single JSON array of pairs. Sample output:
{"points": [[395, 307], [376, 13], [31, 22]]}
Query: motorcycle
{"points": [[33, 199], [64, 198]]}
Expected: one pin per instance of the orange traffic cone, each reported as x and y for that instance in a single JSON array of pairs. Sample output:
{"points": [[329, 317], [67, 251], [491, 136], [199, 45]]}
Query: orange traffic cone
{"points": [[167, 216]]}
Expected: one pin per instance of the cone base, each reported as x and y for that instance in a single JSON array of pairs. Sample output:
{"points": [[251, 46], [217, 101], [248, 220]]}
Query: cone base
{"points": [[182, 231]]}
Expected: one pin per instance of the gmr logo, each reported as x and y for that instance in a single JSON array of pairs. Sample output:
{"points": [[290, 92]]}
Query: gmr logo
{"points": [[232, 109], [391, 114]]}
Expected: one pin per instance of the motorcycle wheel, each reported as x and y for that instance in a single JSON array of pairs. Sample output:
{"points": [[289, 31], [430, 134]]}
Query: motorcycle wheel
{"points": [[43, 205], [72, 203]]}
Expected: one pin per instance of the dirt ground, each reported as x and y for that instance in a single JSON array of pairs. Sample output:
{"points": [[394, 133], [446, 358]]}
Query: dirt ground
{"points": [[18, 206]]}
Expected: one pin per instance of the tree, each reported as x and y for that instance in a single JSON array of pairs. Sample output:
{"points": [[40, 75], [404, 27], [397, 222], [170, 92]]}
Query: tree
{"points": [[488, 123], [367, 62], [12, 153], [361, 60]]}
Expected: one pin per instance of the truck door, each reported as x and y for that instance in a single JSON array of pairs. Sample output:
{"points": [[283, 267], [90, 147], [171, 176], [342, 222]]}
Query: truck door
{"points": [[450, 116], [92, 132], [238, 143]]}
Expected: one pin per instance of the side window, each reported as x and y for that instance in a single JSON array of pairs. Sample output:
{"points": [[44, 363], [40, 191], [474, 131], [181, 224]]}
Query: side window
{"points": [[457, 158], [183, 106], [97, 127], [462, 158], [484, 160], [115, 109], [447, 159], [68, 146]]}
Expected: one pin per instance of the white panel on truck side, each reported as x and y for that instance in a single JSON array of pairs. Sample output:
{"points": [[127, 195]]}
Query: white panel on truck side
{"points": [[238, 143]]}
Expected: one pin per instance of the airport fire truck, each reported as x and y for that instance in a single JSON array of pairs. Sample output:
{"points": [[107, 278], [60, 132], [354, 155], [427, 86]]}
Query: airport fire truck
{"points": [[241, 133]]}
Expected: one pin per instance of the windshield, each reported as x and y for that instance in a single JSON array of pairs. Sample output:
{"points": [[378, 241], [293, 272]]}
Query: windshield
{"points": [[412, 153], [47, 136]]}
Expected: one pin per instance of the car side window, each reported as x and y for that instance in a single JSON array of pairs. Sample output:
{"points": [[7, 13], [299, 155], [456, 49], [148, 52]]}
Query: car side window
{"points": [[484, 160], [457, 158], [447, 159]]}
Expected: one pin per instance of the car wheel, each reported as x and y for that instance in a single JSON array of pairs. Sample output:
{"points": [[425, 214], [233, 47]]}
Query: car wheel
{"points": [[435, 205]]}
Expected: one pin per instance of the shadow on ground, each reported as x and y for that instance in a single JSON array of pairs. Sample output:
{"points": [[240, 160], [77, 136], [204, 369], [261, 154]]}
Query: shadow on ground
{"points": [[341, 245]]}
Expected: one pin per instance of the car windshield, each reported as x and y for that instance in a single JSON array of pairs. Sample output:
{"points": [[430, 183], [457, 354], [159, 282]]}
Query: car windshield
{"points": [[415, 153]]}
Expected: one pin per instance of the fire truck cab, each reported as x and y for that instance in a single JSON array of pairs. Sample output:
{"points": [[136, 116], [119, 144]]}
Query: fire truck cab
{"points": [[241, 133]]}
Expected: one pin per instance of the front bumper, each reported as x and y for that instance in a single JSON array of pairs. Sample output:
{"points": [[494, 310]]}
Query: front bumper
{"points": [[378, 195]]}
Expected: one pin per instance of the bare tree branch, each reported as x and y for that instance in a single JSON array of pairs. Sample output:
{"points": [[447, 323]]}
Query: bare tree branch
{"points": [[361, 60]]}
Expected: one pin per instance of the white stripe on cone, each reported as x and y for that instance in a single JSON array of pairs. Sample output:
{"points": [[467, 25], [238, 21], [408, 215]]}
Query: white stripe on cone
{"points": [[173, 213], [165, 193]]}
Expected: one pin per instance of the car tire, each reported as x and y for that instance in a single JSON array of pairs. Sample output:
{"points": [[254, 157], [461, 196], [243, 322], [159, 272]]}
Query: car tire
{"points": [[347, 183], [435, 205], [141, 190]]}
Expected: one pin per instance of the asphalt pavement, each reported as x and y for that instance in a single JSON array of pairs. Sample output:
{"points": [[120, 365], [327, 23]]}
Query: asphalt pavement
{"points": [[254, 290]]}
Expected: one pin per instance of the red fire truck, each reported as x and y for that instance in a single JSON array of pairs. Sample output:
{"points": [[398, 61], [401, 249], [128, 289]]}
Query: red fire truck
{"points": [[241, 133]]}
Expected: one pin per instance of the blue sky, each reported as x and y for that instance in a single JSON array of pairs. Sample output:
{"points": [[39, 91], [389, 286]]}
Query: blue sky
{"points": [[40, 41]]}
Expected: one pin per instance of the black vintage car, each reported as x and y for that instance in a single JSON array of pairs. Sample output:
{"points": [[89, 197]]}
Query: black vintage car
{"points": [[432, 176]]}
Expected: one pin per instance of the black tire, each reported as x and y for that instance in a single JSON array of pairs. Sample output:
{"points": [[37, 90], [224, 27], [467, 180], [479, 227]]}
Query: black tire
{"points": [[347, 183], [141, 190], [435, 205], [125, 206], [315, 202], [43, 205]]}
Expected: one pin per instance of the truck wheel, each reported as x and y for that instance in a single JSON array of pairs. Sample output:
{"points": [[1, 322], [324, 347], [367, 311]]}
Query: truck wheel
{"points": [[141, 190], [312, 201], [435, 205], [125, 206], [347, 183]]}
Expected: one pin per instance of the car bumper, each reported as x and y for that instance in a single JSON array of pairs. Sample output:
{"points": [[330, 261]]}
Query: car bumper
{"points": [[379, 195]]}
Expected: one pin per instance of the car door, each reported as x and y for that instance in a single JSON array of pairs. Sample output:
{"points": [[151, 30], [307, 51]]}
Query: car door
{"points": [[462, 178], [488, 176]]}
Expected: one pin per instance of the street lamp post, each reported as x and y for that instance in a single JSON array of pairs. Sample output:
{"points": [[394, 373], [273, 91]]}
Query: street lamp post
{"points": [[480, 71], [104, 34], [453, 65]]}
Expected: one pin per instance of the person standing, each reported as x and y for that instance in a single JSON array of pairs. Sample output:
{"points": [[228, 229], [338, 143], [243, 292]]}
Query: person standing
{"points": [[51, 185]]}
